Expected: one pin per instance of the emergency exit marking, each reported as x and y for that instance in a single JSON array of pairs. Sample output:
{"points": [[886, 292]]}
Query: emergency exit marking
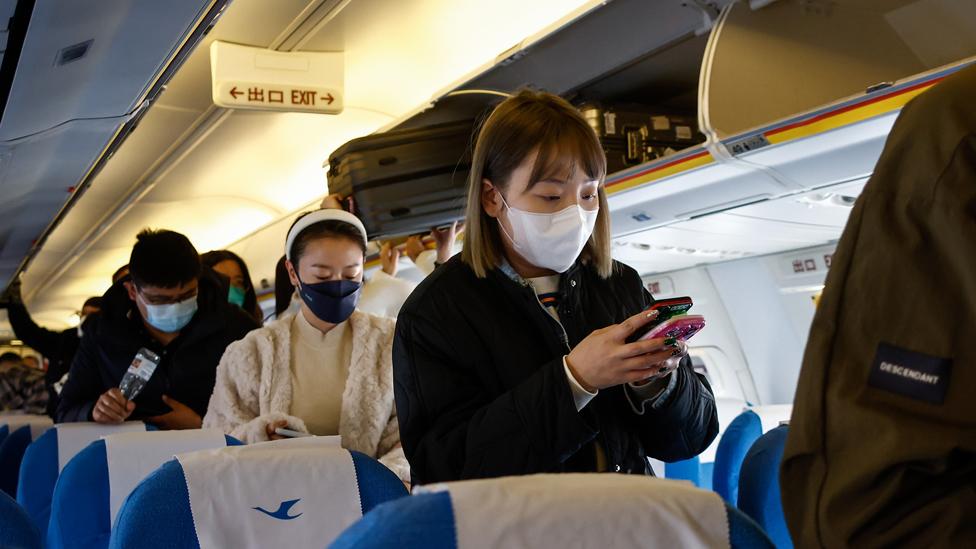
{"points": [[298, 97], [804, 265], [278, 97]]}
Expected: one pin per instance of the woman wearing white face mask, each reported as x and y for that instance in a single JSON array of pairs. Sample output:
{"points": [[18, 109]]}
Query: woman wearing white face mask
{"points": [[511, 359]]}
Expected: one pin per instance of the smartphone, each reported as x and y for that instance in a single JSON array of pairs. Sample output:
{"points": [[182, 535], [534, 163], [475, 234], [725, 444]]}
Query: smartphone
{"points": [[681, 328], [667, 309], [289, 433]]}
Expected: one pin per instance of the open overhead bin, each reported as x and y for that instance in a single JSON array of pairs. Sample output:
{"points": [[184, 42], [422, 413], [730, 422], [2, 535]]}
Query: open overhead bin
{"points": [[794, 96], [811, 89]]}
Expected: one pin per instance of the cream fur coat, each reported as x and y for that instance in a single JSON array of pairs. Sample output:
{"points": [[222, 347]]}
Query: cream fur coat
{"points": [[254, 388]]}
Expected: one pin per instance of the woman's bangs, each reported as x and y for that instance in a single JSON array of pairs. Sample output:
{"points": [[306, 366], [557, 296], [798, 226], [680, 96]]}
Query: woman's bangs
{"points": [[562, 154]]}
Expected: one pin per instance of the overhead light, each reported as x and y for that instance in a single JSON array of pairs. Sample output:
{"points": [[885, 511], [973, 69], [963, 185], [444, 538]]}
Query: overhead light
{"points": [[828, 199]]}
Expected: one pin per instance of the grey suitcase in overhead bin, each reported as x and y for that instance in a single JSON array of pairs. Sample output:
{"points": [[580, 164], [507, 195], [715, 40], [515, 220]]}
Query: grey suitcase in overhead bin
{"points": [[405, 181]]}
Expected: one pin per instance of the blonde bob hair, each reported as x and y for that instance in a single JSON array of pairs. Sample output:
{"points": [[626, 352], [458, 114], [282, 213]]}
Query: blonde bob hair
{"points": [[529, 122]]}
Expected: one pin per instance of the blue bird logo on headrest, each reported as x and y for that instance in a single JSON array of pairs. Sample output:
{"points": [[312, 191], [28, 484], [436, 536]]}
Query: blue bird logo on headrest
{"points": [[282, 512]]}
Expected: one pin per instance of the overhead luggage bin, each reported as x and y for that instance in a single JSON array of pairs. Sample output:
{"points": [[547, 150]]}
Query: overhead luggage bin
{"points": [[809, 110], [828, 78]]}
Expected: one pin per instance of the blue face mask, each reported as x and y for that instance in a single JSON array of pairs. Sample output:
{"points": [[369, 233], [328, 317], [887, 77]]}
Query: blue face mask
{"points": [[332, 301], [172, 317]]}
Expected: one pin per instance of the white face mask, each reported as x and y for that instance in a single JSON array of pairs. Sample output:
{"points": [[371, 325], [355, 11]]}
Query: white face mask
{"points": [[550, 241]]}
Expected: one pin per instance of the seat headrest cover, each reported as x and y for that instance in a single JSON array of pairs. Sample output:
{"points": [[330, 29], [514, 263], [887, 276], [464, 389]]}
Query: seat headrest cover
{"points": [[38, 424], [772, 415], [288, 493], [74, 437], [132, 456], [585, 510]]}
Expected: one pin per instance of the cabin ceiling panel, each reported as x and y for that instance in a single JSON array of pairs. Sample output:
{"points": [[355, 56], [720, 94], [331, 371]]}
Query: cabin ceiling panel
{"points": [[400, 55], [271, 160], [250, 22], [130, 42]]}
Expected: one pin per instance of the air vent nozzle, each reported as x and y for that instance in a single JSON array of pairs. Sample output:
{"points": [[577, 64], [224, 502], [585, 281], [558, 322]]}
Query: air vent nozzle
{"points": [[73, 53]]}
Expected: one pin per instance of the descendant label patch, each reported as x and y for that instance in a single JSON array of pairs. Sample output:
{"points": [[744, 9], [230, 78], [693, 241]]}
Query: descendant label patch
{"points": [[910, 374]]}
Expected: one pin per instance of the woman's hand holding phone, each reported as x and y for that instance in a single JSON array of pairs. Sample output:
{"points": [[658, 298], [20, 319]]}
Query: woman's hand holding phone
{"points": [[271, 428], [604, 358]]}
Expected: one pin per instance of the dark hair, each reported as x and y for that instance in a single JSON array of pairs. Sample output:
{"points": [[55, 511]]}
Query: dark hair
{"points": [[283, 288], [95, 302], [10, 357], [120, 273], [164, 259], [331, 228], [212, 258]]}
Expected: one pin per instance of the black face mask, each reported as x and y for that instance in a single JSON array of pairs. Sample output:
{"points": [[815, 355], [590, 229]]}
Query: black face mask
{"points": [[332, 301]]}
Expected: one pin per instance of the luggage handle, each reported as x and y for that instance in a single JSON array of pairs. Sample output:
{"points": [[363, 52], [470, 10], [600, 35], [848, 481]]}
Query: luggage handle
{"points": [[636, 136]]}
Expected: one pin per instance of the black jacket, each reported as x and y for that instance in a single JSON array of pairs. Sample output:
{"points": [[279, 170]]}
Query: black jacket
{"points": [[481, 390], [57, 347], [188, 367]]}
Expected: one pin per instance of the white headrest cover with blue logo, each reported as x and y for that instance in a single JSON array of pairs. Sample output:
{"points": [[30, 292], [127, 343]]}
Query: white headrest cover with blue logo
{"points": [[38, 424], [289, 493], [585, 510], [74, 437], [132, 456]]}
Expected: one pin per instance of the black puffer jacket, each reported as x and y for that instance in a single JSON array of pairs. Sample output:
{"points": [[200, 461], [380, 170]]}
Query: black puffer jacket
{"points": [[57, 347], [187, 371], [481, 390]]}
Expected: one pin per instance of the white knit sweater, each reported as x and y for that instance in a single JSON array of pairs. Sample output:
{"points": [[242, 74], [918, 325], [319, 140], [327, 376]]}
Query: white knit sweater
{"points": [[254, 389]]}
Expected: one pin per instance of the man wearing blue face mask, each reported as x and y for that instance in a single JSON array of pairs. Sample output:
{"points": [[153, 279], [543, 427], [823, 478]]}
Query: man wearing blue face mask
{"points": [[169, 309]]}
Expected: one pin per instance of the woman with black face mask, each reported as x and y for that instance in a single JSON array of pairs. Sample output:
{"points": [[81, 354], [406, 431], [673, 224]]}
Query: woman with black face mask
{"points": [[326, 370]]}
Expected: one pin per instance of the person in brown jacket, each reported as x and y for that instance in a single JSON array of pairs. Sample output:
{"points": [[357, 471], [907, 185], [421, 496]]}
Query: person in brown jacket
{"points": [[882, 442]]}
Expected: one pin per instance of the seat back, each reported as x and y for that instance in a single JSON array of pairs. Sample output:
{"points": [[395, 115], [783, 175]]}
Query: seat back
{"points": [[692, 470], [759, 494], [18, 431], [541, 510], [81, 510], [41, 466], [159, 513], [732, 448], [16, 528], [11, 455]]}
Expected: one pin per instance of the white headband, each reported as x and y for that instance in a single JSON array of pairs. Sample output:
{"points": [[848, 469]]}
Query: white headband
{"points": [[318, 216]]}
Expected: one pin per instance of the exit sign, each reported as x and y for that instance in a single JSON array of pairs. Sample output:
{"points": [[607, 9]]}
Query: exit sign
{"points": [[255, 78]]}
